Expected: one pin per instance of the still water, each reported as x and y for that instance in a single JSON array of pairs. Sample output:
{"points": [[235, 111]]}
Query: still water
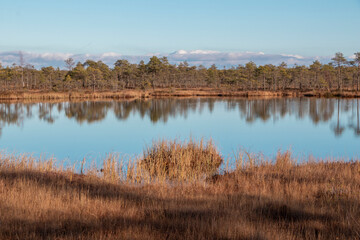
{"points": [[73, 130]]}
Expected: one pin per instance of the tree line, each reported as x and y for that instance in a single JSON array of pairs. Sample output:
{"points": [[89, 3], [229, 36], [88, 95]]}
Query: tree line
{"points": [[339, 74]]}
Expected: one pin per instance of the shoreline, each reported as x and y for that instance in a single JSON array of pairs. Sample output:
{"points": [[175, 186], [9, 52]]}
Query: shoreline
{"points": [[161, 93]]}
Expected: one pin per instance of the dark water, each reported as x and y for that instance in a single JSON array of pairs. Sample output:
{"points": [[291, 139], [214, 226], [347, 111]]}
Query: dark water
{"points": [[73, 130]]}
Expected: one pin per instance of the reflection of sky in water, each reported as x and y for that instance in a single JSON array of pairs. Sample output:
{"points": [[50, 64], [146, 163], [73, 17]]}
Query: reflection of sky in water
{"points": [[307, 126]]}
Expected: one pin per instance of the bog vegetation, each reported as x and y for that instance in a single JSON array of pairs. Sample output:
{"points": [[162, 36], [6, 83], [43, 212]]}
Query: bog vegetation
{"points": [[181, 161], [90, 75], [157, 197]]}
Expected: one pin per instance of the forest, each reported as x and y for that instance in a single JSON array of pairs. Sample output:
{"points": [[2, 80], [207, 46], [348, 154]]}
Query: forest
{"points": [[340, 74]]}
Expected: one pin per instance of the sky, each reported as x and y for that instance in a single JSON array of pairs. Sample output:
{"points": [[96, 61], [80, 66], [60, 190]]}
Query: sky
{"points": [[306, 29]]}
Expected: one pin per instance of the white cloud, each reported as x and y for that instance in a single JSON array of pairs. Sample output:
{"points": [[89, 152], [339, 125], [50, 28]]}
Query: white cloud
{"points": [[194, 52], [194, 57], [227, 59], [180, 52], [49, 56], [293, 55], [110, 54], [203, 52]]}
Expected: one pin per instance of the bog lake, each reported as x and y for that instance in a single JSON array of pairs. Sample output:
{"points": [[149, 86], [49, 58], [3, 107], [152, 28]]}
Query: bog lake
{"points": [[70, 131]]}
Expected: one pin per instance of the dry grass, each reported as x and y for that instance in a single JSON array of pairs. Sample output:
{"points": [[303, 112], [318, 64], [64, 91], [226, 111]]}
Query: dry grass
{"points": [[38, 95], [166, 92], [256, 199], [170, 160]]}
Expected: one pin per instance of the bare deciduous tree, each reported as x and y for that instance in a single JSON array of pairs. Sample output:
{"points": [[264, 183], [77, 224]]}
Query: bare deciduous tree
{"points": [[70, 64]]}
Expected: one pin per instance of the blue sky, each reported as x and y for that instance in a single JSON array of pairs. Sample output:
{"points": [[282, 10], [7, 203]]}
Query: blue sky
{"points": [[139, 27]]}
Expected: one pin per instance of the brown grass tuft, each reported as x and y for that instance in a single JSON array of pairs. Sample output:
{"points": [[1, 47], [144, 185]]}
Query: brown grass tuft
{"points": [[181, 160]]}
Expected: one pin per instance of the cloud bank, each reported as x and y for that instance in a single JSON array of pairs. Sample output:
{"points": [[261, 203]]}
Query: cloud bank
{"points": [[196, 57]]}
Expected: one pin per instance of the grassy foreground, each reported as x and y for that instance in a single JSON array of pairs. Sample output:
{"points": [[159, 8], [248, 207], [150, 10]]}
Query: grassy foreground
{"points": [[159, 196]]}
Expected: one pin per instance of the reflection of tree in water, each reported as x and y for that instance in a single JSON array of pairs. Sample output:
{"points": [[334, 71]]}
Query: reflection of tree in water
{"points": [[122, 110], [263, 109], [251, 110], [87, 111], [45, 112], [357, 129], [255, 109], [338, 128], [356, 126], [321, 110], [156, 109], [211, 104], [11, 114]]}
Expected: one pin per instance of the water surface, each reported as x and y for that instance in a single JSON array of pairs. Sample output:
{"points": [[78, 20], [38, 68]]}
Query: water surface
{"points": [[73, 130]]}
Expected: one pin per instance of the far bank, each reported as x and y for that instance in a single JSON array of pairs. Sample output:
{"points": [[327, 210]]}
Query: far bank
{"points": [[168, 92]]}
